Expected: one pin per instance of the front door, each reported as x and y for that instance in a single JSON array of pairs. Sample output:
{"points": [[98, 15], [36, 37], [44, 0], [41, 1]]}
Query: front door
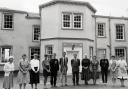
{"points": [[70, 52]]}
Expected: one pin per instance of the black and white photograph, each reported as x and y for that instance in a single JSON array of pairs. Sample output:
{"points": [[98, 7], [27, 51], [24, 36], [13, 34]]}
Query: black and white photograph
{"points": [[63, 44]]}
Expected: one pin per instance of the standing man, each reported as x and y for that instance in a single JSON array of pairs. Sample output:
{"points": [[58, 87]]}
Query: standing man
{"points": [[63, 68], [104, 64], [54, 68], [75, 63], [85, 68]]}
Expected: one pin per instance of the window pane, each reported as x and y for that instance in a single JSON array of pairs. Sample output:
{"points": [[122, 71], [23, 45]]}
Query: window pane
{"points": [[8, 21], [34, 50], [77, 21], [120, 52], [5, 53], [66, 20], [49, 51], [101, 29], [36, 33], [119, 31]]}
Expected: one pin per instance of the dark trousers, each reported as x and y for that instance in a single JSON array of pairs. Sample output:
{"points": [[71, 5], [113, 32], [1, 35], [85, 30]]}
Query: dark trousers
{"points": [[75, 77], [53, 79], [104, 75]]}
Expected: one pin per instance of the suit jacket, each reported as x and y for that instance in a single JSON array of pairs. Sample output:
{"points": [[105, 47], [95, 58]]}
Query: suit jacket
{"points": [[85, 63], [104, 63], [54, 66], [63, 63], [75, 65]]}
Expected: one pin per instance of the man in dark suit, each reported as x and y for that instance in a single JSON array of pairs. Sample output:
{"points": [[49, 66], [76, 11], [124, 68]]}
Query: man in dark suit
{"points": [[54, 68], [104, 64], [63, 68], [75, 63]]}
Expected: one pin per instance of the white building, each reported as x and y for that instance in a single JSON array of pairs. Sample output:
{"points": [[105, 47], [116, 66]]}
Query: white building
{"points": [[67, 26]]}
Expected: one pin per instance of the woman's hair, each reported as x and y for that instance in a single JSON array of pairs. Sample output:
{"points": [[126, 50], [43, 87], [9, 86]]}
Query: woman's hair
{"points": [[24, 55]]}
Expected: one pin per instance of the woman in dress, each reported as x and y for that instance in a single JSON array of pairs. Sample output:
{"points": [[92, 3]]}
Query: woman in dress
{"points": [[113, 69], [46, 69], [34, 72], [122, 72], [8, 76], [94, 69], [23, 73], [86, 69]]}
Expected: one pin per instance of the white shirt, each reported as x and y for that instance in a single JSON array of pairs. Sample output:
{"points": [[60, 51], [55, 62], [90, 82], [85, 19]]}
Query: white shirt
{"points": [[8, 67], [34, 63]]}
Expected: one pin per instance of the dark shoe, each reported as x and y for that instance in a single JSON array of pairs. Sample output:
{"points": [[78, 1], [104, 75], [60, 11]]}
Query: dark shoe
{"points": [[66, 84], [77, 84], [86, 83]]}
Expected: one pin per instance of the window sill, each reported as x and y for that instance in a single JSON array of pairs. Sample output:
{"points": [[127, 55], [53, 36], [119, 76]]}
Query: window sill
{"points": [[72, 29], [121, 40], [35, 40], [101, 37], [8, 29]]}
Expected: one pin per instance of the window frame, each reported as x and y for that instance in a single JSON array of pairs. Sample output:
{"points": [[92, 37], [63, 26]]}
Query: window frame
{"points": [[104, 29], [1, 55], [77, 21], [30, 51], [3, 21], [33, 34], [125, 51], [123, 32], [65, 13], [46, 52], [72, 14]]}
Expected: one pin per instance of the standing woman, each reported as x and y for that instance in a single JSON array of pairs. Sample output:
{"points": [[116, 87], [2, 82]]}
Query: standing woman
{"points": [[122, 72], [23, 74], [94, 69], [113, 69], [8, 76], [46, 69], [85, 68], [34, 72]]}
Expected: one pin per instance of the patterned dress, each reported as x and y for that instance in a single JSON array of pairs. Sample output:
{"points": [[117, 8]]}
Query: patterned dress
{"points": [[122, 72], [113, 69], [23, 74]]}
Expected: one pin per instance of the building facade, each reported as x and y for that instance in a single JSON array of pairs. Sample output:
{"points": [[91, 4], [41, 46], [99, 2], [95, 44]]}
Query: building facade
{"points": [[62, 26], [18, 34], [67, 26]]}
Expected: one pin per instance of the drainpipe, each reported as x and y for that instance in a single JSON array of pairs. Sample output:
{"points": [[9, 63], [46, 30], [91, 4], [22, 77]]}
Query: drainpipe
{"points": [[95, 39], [110, 41]]}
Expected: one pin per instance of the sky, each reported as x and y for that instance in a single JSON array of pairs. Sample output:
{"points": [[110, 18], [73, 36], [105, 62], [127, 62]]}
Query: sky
{"points": [[103, 7]]}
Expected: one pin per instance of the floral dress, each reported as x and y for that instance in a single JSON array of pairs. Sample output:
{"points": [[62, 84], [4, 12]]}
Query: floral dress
{"points": [[122, 72], [23, 74], [113, 69]]}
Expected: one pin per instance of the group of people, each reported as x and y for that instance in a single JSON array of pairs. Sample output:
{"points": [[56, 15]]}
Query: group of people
{"points": [[29, 70]]}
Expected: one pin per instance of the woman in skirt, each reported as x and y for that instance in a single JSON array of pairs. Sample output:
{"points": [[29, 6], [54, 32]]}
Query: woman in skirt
{"points": [[94, 69], [8, 76], [122, 72], [113, 69], [46, 69], [34, 72], [23, 74]]}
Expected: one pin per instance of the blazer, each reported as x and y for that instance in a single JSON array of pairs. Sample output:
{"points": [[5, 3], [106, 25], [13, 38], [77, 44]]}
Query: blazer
{"points": [[75, 65], [54, 66], [104, 63]]}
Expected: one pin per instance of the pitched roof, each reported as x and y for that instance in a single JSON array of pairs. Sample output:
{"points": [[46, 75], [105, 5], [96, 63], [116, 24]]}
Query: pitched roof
{"points": [[53, 2], [29, 14]]}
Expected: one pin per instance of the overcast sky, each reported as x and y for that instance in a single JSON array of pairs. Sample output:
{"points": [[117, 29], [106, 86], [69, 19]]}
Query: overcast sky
{"points": [[103, 7]]}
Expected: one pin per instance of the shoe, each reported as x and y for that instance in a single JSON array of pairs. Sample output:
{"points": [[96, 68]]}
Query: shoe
{"points": [[66, 84], [77, 84]]}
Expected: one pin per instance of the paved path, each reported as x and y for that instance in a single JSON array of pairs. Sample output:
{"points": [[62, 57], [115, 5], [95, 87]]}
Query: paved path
{"points": [[81, 86]]}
